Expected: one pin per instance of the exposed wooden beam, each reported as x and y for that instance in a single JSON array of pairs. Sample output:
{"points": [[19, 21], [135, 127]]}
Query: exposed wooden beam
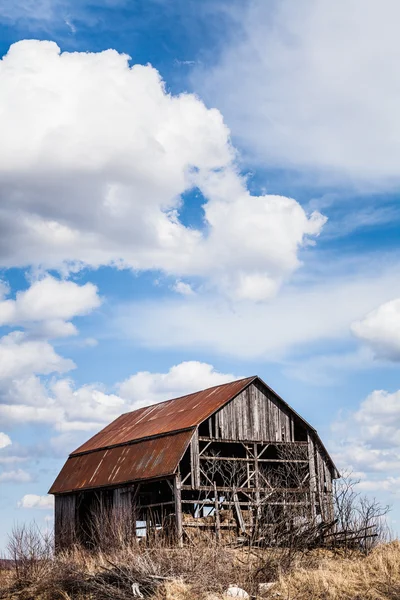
{"points": [[217, 519], [312, 476], [178, 509], [251, 460], [231, 441]]}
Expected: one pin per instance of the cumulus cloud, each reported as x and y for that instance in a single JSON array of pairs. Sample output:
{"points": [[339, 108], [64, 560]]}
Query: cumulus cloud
{"points": [[305, 99], [71, 410], [5, 440], [4, 289], [390, 484], [23, 396], [35, 501], [58, 404], [48, 304], [148, 388], [20, 356], [321, 310], [368, 440], [380, 329], [117, 152], [18, 476], [379, 418], [183, 288]]}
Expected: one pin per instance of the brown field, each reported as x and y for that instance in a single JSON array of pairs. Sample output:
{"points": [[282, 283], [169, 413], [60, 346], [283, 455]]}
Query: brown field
{"points": [[204, 572]]}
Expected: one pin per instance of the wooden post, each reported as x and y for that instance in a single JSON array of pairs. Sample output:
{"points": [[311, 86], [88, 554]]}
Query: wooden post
{"points": [[329, 494], [257, 486], [217, 519], [178, 509], [195, 460], [320, 484], [242, 525], [311, 463]]}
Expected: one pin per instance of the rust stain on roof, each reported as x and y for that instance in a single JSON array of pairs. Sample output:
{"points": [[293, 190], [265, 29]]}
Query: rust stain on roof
{"points": [[173, 415], [149, 442], [157, 457]]}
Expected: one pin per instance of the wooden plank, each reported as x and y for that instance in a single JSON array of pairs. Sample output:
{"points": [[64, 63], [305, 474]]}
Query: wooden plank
{"points": [[329, 493], [250, 441], [194, 459], [217, 519], [161, 504], [312, 475], [178, 509], [210, 503], [210, 488], [321, 485], [64, 521], [241, 522], [257, 483], [250, 460], [254, 416]]}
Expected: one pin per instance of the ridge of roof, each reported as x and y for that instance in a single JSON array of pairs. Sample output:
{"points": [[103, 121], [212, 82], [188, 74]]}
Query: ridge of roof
{"points": [[213, 387], [190, 410], [155, 420]]}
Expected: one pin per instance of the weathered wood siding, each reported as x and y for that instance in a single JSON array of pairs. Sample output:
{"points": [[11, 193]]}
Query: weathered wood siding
{"points": [[65, 520], [254, 415]]}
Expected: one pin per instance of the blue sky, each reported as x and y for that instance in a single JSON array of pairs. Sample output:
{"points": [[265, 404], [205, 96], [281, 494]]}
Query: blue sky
{"points": [[222, 203]]}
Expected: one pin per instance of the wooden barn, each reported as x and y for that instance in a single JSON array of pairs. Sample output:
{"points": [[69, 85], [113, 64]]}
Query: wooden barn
{"points": [[226, 459]]}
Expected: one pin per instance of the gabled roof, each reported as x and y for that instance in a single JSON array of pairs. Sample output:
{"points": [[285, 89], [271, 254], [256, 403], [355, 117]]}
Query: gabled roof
{"points": [[144, 459], [150, 442], [181, 413]]}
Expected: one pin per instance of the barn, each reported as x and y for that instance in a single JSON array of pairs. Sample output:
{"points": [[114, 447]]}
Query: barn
{"points": [[220, 460]]}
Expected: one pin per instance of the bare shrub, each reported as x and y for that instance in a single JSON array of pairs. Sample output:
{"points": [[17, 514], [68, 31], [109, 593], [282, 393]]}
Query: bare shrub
{"points": [[355, 512], [30, 550]]}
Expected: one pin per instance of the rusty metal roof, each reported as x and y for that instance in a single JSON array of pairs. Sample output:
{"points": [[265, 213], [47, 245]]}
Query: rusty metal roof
{"points": [[149, 442], [156, 457], [173, 415]]}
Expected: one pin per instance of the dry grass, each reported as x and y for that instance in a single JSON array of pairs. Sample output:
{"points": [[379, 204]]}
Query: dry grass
{"points": [[356, 577], [197, 572]]}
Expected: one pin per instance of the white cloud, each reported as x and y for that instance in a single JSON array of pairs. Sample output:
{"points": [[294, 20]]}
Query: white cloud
{"points": [[148, 388], [18, 476], [91, 342], [4, 289], [320, 309], [326, 369], [318, 88], [35, 501], [185, 289], [11, 459], [16, 10], [390, 484], [5, 440], [84, 408], [47, 14], [73, 411], [20, 357], [368, 440], [117, 152], [48, 304], [380, 329], [58, 404], [379, 418]]}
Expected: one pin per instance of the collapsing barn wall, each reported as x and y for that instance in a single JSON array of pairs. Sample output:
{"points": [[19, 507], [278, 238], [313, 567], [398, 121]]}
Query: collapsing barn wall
{"points": [[255, 455]]}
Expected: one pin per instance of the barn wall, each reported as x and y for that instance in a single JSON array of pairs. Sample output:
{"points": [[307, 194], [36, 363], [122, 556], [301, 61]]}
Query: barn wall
{"points": [[65, 520], [254, 415]]}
